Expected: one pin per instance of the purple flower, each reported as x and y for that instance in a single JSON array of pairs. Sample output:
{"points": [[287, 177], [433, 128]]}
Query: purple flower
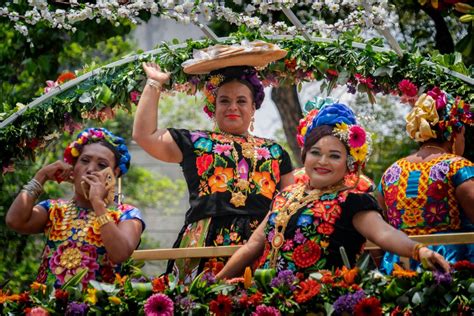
{"points": [[285, 278], [442, 278], [299, 237], [392, 174], [394, 217], [439, 171], [196, 135], [159, 305], [346, 303], [185, 303], [209, 277], [76, 309], [263, 310]]}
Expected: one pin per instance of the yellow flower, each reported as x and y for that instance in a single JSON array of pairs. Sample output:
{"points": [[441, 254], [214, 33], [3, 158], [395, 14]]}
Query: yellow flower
{"points": [[304, 130], [399, 272], [216, 80], [91, 296], [359, 153], [341, 128], [74, 152], [38, 287], [115, 300], [79, 141]]}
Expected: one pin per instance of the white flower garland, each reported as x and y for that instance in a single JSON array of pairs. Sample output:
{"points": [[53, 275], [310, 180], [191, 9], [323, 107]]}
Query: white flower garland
{"points": [[188, 11]]}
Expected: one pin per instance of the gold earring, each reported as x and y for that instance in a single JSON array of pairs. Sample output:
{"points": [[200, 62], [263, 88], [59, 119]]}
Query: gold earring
{"points": [[251, 124]]}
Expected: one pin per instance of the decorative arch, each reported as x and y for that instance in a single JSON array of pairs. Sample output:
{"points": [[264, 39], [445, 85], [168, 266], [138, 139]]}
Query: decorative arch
{"points": [[362, 66]]}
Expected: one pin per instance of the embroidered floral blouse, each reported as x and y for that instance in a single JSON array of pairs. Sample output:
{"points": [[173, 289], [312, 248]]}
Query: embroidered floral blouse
{"points": [[229, 175], [73, 243], [316, 231], [420, 197]]}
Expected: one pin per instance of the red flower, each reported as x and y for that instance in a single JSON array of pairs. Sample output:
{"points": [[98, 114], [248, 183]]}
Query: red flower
{"points": [[244, 301], [325, 228], [365, 80], [221, 306], [65, 77], [463, 265], [407, 88], [308, 289], [214, 266], [290, 63], [332, 72], [437, 190], [33, 143], [159, 284], [203, 162], [390, 195], [61, 295], [307, 254], [256, 299], [368, 306], [398, 311], [276, 170]]}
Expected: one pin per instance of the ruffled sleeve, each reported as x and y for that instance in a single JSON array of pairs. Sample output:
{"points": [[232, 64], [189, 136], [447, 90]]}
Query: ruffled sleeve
{"points": [[461, 170], [359, 202], [130, 212]]}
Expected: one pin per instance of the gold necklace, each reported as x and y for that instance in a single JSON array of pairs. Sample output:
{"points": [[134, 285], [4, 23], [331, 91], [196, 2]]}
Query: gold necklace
{"points": [[248, 151], [434, 147], [291, 206]]}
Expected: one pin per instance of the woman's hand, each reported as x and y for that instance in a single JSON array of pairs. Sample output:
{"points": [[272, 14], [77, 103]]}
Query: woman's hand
{"points": [[58, 171], [153, 71], [434, 260], [97, 190]]}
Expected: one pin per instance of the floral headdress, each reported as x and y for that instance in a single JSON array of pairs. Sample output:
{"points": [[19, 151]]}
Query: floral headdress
{"points": [[343, 119], [217, 77], [94, 135], [437, 114]]}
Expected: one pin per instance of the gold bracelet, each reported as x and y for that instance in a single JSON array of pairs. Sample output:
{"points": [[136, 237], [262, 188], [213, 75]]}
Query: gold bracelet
{"points": [[415, 254], [154, 83], [103, 219]]}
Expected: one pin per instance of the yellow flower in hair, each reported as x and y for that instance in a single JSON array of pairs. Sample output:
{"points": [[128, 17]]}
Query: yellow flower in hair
{"points": [[359, 153], [74, 152], [341, 128], [216, 80], [304, 130], [421, 118]]}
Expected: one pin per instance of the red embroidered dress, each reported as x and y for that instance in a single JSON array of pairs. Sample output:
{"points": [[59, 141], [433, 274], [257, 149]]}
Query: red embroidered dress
{"points": [[316, 231]]}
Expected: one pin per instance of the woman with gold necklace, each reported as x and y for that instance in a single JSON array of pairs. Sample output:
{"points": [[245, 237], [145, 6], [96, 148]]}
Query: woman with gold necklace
{"points": [[432, 190], [310, 222], [231, 175], [89, 232]]}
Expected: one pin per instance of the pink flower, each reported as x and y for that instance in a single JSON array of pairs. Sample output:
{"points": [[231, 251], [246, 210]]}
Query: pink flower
{"points": [[365, 80], [407, 88], [159, 305], [77, 258], [222, 149], [9, 168], [135, 96], [50, 85], [439, 96], [38, 311], [263, 152], [263, 310], [357, 136]]}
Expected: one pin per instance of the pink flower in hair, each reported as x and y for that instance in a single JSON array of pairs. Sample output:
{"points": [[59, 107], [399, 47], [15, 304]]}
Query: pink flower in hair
{"points": [[357, 136], [439, 96]]}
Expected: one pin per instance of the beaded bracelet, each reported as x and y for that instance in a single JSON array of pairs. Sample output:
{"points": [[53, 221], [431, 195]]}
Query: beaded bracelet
{"points": [[415, 254], [33, 188], [154, 83], [103, 219]]}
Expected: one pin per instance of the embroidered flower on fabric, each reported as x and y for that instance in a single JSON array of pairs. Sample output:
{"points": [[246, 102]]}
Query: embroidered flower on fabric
{"points": [[392, 174], [439, 171]]}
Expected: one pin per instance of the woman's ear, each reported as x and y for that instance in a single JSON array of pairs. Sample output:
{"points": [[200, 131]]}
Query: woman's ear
{"points": [[116, 172]]}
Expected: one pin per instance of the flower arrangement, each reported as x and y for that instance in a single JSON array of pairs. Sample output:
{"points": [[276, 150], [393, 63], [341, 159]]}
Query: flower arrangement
{"points": [[93, 135], [355, 291], [118, 87], [437, 114]]}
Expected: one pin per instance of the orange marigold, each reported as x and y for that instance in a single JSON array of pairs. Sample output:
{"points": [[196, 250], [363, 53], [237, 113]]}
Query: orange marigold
{"points": [[399, 272], [307, 290]]}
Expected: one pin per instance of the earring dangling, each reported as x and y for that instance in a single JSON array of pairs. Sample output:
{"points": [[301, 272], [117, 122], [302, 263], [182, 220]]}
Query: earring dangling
{"points": [[251, 124]]}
